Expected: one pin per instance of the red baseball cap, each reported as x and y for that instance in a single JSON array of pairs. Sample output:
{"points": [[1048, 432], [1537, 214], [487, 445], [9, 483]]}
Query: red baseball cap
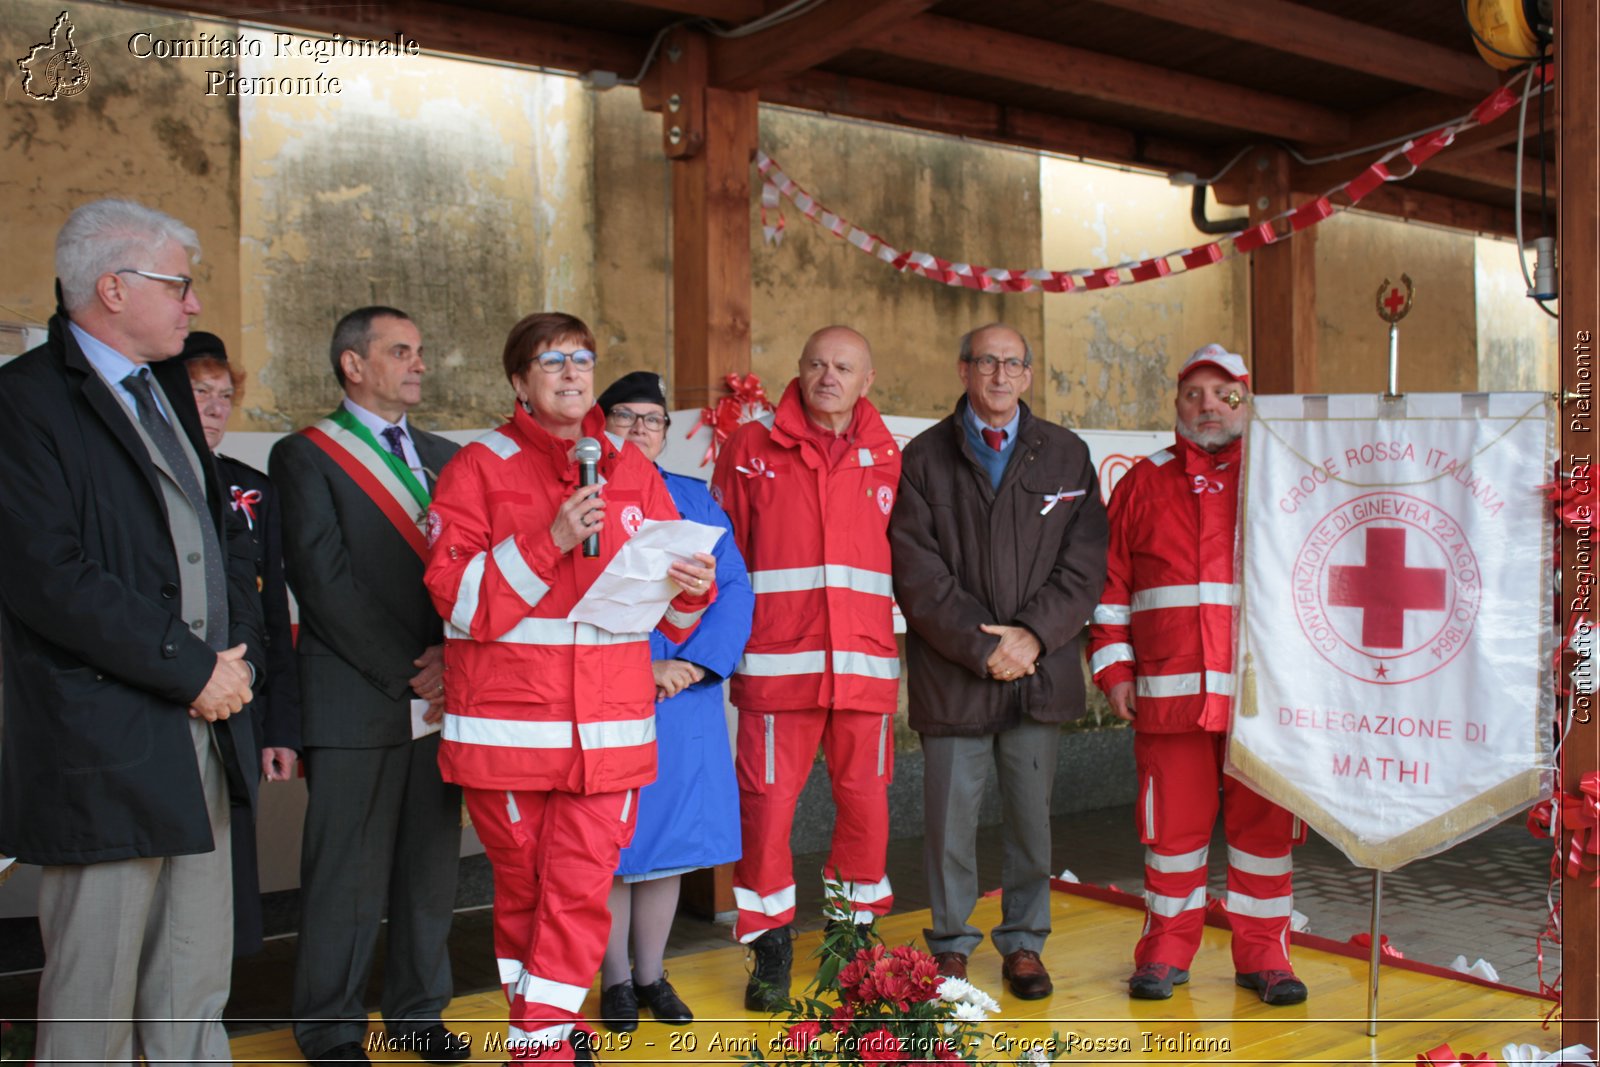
{"points": [[1214, 355]]}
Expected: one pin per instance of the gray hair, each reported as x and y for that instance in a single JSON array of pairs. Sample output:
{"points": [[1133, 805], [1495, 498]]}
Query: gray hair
{"points": [[354, 333], [105, 236], [966, 341]]}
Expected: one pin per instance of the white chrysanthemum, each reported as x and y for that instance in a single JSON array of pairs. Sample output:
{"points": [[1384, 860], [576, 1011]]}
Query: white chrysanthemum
{"points": [[1036, 1057], [954, 989], [968, 1012], [979, 999]]}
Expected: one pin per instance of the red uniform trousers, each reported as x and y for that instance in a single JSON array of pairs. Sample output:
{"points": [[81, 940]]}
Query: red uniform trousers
{"points": [[775, 754], [554, 855], [1179, 778]]}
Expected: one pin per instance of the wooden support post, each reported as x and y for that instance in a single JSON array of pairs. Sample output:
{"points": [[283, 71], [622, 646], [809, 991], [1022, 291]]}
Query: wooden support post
{"points": [[1578, 169], [1283, 285], [712, 149]]}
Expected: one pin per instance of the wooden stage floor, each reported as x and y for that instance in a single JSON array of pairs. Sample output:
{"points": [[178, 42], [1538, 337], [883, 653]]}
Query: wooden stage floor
{"points": [[1210, 1020]]}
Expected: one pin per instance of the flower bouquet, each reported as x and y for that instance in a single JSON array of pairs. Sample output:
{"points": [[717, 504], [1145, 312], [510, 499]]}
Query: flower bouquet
{"points": [[873, 1005]]}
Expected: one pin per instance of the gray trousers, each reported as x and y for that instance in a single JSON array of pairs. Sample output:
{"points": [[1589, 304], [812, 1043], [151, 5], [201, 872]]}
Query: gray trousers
{"points": [[954, 772], [382, 834], [139, 952]]}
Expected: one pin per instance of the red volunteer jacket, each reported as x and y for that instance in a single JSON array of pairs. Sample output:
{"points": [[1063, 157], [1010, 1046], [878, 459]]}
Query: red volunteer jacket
{"points": [[816, 541], [1166, 618], [534, 702]]}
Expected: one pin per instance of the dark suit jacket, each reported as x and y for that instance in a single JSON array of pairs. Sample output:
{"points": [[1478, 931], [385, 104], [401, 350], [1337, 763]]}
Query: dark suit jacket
{"points": [[97, 761], [364, 612]]}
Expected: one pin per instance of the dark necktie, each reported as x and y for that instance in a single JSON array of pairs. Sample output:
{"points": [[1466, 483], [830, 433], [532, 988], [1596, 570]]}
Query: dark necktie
{"points": [[161, 432], [395, 435], [995, 438]]}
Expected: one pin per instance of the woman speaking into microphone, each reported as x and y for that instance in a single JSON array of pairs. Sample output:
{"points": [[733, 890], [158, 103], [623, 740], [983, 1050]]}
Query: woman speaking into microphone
{"points": [[549, 725]]}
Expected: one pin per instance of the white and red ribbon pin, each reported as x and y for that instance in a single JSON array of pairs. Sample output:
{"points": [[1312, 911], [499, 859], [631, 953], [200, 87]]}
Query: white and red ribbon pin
{"points": [[1052, 499], [245, 500], [758, 469]]}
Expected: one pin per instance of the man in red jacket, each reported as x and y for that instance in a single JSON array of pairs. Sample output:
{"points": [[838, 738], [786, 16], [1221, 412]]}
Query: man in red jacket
{"points": [[1161, 647], [810, 497]]}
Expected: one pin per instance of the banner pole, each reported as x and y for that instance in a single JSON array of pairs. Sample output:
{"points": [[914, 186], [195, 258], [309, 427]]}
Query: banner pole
{"points": [[1394, 361], [1372, 960]]}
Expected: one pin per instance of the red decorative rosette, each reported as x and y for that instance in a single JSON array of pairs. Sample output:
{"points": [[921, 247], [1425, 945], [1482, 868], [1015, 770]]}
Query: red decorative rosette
{"points": [[1580, 813], [1384, 948], [1445, 1056], [1573, 499], [745, 402]]}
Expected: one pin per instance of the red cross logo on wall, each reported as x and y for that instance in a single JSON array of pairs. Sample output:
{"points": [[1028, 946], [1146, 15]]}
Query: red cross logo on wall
{"points": [[1394, 301], [1384, 588]]}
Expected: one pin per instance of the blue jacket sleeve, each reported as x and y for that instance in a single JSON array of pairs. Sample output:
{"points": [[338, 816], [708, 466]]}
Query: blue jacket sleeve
{"points": [[719, 640]]}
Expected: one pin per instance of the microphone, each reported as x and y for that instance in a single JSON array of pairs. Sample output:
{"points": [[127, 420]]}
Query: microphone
{"points": [[588, 474]]}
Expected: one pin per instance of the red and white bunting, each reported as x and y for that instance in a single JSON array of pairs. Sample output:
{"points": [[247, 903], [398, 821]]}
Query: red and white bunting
{"points": [[1280, 227]]}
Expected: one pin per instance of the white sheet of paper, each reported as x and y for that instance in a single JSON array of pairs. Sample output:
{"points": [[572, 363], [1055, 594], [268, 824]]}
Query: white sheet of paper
{"points": [[419, 708], [632, 593]]}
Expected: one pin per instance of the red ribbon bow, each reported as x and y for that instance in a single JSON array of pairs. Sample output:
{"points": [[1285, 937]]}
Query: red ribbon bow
{"points": [[745, 402], [1580, 813], [245, 500], [1445, 1056], [1574, 499]]}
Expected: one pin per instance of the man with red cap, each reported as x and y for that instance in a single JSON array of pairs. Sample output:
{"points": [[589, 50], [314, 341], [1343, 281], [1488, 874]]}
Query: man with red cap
{"points": [[1161, 647]]}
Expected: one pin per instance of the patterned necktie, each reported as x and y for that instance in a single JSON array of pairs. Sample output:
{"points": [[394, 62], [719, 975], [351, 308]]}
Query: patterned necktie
{"points": [[995, 438], [395, 436], [160, 431]]}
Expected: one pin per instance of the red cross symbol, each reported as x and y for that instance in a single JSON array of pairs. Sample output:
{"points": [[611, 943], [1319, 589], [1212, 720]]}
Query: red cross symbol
{"points": [[1394, 301], [1385, 589]]}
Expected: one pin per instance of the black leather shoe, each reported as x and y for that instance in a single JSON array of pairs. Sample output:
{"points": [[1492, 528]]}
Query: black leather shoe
{"points": [[768, 990], [619, 1008], [349, 1052], [436, 1044], [663, 1002]]}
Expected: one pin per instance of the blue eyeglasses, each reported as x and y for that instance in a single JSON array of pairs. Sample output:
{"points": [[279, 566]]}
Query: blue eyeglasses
{"points": [[553, 360]]}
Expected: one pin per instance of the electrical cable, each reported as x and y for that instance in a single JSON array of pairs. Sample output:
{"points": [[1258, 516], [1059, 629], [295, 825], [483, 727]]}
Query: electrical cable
{"points": [[783, 14], [1516, 203]]}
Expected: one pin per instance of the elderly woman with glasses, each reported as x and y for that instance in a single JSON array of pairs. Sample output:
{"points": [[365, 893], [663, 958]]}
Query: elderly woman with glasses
{"points": [[689, 817], [549, 725]]}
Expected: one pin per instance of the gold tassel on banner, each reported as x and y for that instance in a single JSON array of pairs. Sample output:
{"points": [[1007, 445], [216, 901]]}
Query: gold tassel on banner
{"points": [[1247, 690]]}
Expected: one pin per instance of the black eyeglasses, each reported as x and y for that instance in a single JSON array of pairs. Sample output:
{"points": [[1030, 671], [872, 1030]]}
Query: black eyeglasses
{"points": [[553, 360], [177, 279], [986, 364], [627, 417]]}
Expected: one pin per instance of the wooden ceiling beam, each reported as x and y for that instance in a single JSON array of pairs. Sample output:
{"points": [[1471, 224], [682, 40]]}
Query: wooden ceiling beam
{"points": [[1419, 205], [734, 11], [801, 43], [440, 28], [959, 116], [1341, 42], [1496, 170], [1014, 57]]}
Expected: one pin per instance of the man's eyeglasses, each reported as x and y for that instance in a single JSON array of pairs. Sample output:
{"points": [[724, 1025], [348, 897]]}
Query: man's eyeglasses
{"points": [[553, 360], [177, 279], [986, 364], [626, 417]]}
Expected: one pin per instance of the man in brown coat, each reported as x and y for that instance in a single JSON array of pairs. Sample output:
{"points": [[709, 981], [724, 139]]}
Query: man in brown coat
{"points": [[999, 543]]}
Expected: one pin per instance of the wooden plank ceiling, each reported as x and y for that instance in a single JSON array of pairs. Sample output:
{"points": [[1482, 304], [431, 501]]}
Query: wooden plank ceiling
{"points": [[1169, 85]]}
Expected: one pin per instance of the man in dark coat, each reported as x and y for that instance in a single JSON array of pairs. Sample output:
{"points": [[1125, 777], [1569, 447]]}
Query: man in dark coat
{"points": [[130, 631], [999, 542], [383, 829]]}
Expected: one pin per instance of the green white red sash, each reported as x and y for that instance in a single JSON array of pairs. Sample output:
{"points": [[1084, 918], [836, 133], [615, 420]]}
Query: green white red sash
{"points": [[387, 480]]}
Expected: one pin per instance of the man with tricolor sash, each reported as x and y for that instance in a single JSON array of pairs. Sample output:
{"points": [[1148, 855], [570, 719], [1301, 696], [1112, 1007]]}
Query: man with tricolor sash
{"points": [[382, 829]]}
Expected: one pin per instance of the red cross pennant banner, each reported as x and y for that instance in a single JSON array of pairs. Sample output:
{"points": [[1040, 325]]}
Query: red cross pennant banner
{"points": [[1397, 164], [1393, 678]]}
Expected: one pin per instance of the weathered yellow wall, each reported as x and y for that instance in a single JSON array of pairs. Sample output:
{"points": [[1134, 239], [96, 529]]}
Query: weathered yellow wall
{"points": [[1438, 339], [1517, 343], [142, 129], [1111, 354], [957, 200], [460, 193]]}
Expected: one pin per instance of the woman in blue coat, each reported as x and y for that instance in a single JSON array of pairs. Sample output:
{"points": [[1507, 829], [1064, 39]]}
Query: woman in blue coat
{"points": [[689, 817]]}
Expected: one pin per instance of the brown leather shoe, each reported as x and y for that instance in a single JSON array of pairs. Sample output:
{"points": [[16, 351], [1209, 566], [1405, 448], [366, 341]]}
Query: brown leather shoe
{"points": [[1025, 973], [951, 964]]}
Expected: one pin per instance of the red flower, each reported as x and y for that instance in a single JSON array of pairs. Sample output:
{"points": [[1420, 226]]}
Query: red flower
{"points": [[943, 1051], [880, 1046], [841, 1018], [802, 1035]]}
